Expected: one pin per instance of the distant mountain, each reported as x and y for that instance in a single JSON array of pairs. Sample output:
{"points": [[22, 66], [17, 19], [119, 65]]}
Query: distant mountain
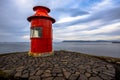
{"points": [[90, 41], [116, 42]]}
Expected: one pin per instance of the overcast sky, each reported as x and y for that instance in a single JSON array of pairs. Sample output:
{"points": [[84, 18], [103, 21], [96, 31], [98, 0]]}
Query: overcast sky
{"points": [[75, 19]]}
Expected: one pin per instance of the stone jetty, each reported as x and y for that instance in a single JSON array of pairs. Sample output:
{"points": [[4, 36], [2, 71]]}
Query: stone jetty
{"points": [[63, 65]]}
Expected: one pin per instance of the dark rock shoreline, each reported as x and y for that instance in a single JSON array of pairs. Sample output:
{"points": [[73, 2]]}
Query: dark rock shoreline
{"points": [[63, 65]]}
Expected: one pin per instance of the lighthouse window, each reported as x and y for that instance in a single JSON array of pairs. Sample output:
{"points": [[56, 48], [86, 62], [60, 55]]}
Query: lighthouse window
{"points": [[36, 32]]}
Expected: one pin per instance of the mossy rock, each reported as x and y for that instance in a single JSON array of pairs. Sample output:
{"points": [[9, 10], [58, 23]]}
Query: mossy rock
{"points": [[5, 75]]}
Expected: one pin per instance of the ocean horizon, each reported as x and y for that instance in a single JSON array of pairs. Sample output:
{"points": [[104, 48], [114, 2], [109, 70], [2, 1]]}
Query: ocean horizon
{"points": [[92, 48]]}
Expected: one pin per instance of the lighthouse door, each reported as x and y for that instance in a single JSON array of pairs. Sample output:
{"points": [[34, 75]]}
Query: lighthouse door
{"points": [[36, 32]]}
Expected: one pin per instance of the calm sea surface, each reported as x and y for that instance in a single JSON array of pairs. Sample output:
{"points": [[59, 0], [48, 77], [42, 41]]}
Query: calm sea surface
{"points": [[95, 48]]}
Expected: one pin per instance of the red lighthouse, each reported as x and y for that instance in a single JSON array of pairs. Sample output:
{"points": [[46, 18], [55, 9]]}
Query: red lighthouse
{"points": [[41, 32]]}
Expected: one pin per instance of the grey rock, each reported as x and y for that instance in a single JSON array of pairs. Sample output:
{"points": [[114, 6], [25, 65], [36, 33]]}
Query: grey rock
{"points": [[63, 65], [48, 78], [95, 78], [59, 78], [46, 75], [60, 75], [47, 71], [35, 78], [87, 74], [26, 75], [82, 77], [105, 77], [39, 72], [74, 77], [18, 74], [20, 68], [109, 74], [66, 74], [32, 73]]}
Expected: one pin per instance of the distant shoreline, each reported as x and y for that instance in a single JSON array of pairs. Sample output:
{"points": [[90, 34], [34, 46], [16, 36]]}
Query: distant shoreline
{"points": [[90, 41], [115, 42]]}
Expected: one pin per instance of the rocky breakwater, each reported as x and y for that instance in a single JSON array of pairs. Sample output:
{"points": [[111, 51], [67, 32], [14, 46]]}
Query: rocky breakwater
{"points": [[63, 65]]}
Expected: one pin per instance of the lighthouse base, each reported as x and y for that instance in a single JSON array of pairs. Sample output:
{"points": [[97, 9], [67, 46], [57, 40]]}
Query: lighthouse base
{"points": [[40, 54]]}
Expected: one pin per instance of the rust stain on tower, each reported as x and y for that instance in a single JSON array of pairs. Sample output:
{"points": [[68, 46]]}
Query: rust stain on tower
{"points": [[41, 32]]}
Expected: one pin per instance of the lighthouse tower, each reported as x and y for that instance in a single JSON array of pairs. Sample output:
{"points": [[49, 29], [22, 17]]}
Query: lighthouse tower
{"points": [[41, 32]]}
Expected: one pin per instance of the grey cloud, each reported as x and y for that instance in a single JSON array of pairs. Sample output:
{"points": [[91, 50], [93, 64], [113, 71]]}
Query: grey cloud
{"points": [[10, 38], [109, 14], [71, 11], [106, 16], [114, 33], [12, 22]]}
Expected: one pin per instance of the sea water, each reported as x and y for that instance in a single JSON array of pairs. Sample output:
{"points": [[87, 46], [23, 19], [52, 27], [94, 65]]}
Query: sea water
{"points": [[93, 48]]}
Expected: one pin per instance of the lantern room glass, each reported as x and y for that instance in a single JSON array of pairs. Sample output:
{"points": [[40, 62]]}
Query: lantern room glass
{"points": [[36, 32]]}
